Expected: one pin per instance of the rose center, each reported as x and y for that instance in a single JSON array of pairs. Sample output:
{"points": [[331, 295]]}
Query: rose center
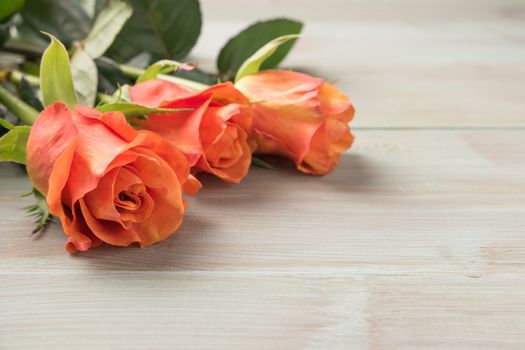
{"points": [[129, 200], [226, 151]]}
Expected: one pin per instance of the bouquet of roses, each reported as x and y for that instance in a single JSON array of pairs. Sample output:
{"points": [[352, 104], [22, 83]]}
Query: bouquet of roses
{"points": [[112, 149]]}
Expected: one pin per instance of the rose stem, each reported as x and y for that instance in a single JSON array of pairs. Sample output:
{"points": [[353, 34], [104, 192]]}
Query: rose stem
{"points": [[22, 110], [16, 77], [134, 73], [130, 72]]}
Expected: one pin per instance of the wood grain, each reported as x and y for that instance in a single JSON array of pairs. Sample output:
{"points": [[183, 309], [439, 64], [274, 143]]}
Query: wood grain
{"points": [[443, 196], [415, 241], [123, 310], [404, 63]]}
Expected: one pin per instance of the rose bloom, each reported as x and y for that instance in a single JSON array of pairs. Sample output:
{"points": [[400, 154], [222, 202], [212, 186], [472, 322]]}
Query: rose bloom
{"points": [[104, 180], [213, 134], [299, 117]]}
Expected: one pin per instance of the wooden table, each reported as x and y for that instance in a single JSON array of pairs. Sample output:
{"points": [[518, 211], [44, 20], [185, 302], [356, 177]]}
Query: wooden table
{"points": [[416, 241]]}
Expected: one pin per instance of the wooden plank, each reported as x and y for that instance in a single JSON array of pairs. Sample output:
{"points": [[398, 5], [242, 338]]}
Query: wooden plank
{"points": [[404, 63], [414, 242], [357, 10], [151, 310], [400, 202]]}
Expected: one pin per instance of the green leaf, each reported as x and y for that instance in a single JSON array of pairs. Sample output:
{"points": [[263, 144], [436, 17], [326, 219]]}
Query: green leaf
{"points": [[133, 110], [106, 27], [163, 28], [10, 7], [27, 38], [13, 145], [22, 110], [4, 32], [238, 49], [162, 67], [85, 75], [6, 124], [253, 63], [56, 82], [40, 211], [29, 94], [258, 162], [30, 68], [110, 75], [198, 76], [8, 20], [66, 19], [122, 94]]}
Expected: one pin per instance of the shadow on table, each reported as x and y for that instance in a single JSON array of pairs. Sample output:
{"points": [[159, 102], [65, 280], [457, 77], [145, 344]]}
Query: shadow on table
{"points": [[210, 227]]}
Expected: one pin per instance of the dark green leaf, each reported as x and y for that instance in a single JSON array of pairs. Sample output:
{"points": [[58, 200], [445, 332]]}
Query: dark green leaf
{"points": [[164, 28], [13, 145], [246, 43], [7, 22], [106, 27], [66, 19], [197, 75], [110, 75], [55, 75], [28, 94], [4, 32], [254, 62], [9, 7], [30, 68], [27, 39]]}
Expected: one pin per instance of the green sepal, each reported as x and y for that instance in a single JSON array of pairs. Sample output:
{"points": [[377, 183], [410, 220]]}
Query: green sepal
{"points": [[162, 67], [253, 63], [6, 124], [242, 46], [56, 81], [13, 143], [258, 162], [133, 110], [39, 210]]}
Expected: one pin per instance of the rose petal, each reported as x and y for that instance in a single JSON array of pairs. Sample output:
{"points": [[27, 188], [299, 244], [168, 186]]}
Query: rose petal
{"points": [[51, 134], [286, 107], [154, 92]]}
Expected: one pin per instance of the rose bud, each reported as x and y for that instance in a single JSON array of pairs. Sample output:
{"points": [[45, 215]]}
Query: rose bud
{"points": [[299, 117], [213, 134], [104, 180]]}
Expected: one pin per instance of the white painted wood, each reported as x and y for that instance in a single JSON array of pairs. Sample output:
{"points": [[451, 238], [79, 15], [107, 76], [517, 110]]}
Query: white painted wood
{"points": [[414, 242], [404, 63], [152, 310]]}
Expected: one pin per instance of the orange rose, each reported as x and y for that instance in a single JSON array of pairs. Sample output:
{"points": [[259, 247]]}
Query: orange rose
{"points": [[299, 117], [213, 134], [106, 181]]}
